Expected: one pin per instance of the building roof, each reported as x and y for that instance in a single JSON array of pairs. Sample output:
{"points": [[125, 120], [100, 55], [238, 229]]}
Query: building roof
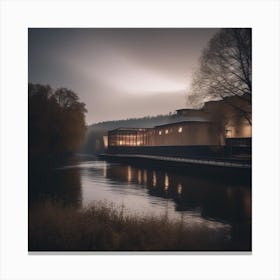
{"points": [[158, 126], [187, 110], [183, 122], [129, 129]]}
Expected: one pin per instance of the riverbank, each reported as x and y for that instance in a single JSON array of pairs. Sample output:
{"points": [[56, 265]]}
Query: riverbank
{"points": [[104, 227]]}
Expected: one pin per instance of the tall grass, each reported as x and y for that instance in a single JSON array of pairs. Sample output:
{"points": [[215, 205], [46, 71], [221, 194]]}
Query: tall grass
{"points": [[105, 227]]}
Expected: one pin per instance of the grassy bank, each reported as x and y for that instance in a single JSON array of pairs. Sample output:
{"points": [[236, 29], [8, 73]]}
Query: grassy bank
{"points": [[104, 227]]}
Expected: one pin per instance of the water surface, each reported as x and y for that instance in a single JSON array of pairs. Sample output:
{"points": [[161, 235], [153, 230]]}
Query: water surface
{"points": [[222, 206]]}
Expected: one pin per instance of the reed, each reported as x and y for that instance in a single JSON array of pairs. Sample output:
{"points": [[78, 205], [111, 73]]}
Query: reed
{"points": [[102, 226]]}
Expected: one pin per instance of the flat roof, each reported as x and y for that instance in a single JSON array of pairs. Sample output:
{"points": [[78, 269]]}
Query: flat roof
{"points": [[134, 129], [129, 129], [184, 122]]}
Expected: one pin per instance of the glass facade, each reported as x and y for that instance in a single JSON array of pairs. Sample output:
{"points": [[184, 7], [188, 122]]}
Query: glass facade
{"points": [[128, 137]]}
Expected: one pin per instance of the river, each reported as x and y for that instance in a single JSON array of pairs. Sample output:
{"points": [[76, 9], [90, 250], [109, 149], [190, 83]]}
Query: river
{"points": [[220, 205]]}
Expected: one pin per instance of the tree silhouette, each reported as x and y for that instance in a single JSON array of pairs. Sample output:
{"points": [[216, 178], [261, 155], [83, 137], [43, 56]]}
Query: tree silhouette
{"points": [[56, 121], [225, 70]]}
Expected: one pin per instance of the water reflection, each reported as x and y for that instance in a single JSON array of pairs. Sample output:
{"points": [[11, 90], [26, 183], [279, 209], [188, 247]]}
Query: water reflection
{"points": [[105, 169], [63, 185], [139, 181], [179, 189], [145, 177], [154, 179], [166, 182], [196, 200], [211, 199]]}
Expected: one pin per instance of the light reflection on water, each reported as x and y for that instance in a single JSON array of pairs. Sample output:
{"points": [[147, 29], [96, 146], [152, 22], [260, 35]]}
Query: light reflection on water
{"points": [[153, 192], [143, 191]]}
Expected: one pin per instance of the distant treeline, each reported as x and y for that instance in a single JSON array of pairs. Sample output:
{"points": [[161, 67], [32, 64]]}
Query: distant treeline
{"points": [[56, 122], [95, 132]]}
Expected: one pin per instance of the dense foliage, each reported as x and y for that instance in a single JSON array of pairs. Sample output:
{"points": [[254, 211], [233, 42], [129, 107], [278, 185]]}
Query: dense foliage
{"points": [[56, 121]]}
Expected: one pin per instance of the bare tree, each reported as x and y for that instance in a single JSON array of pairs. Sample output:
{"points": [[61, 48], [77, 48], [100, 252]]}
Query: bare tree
{"points": [[225, 70]]}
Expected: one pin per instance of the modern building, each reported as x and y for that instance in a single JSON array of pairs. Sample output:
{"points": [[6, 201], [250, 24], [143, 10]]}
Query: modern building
{"points": [[172, 134], [223, 123], [233, 113]]}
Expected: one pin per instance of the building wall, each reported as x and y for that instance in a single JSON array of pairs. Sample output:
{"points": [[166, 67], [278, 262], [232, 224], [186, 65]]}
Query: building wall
{"points": [[230, 114], [239, 130], [176, 134], [192, 133], [172, 151]]}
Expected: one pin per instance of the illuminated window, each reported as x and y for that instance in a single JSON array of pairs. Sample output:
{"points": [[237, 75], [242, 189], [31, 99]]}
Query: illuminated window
{"points": [[228, 133], [166, 131], [159, 132], [180, 129]]}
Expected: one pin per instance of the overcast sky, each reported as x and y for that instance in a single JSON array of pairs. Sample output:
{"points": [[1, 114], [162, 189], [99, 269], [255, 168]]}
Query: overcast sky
{"points": [[118, 73]]}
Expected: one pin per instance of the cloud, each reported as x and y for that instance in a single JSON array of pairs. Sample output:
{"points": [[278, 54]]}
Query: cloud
{"points": [[122, 74], [140, 71]]}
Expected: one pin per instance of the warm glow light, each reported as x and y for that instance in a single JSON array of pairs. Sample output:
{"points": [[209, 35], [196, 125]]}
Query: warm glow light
{"points": [[246, 131], [179, 189], [139, 177], [145, 177], [129, 174], [166, 182], [159, 132], [180, 129], [166, 131], [105, 141], [121, 142], [154, 179], [228, 133]]}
